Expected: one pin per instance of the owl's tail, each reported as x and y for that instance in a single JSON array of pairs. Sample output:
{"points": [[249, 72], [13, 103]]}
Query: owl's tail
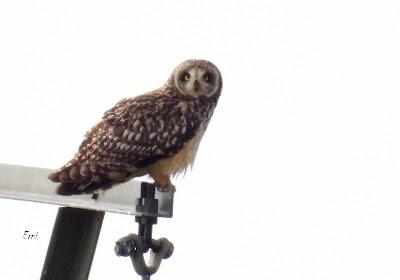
{"points": [[79, 188], [85, 179]]}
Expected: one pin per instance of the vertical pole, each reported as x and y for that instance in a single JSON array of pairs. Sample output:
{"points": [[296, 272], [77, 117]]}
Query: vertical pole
{"points": [[72, 244]]}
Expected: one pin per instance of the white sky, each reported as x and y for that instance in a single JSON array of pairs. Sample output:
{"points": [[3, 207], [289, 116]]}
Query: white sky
{"points": [[298, 174]]}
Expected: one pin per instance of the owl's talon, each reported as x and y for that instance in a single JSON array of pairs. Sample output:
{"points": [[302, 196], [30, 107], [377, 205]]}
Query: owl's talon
{"points": [[167, 188]]}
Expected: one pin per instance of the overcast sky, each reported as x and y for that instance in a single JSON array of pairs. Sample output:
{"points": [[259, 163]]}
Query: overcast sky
{"points": [[298, 175]]}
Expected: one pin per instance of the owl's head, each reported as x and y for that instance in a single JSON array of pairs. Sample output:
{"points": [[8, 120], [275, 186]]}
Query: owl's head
{"points": [[197, 78]]}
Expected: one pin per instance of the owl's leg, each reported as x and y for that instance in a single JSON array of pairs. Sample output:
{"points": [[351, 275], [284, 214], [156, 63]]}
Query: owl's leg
{"points": [[163, 182], [169, 188]]}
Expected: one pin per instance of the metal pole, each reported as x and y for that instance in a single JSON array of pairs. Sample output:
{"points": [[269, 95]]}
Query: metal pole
{"points": [[72, 244]]}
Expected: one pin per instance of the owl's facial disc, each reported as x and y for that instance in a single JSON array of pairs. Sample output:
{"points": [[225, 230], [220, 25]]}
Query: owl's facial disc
{"points": [[197, 79]]}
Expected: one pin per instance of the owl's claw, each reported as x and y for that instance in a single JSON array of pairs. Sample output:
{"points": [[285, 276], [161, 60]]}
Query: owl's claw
{"points": [[165, 188]]}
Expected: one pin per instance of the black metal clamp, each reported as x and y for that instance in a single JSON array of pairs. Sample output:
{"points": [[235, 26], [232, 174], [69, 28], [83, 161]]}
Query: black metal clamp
{"points": [[136, 245]]}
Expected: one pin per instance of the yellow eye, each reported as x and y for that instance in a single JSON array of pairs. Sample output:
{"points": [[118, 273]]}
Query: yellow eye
{"points": [[187, 77], [205, 77]]}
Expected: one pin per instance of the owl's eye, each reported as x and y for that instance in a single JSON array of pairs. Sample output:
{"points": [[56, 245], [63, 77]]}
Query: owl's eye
{"points": [[208, 78], [186, 76]]}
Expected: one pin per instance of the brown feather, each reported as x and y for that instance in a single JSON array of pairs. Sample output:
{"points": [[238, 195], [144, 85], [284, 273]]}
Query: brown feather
{"points": [[74, 173]]}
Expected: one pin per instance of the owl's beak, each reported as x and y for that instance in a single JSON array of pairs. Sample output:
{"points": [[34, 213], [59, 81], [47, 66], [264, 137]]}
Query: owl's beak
{"points": [[196, 85]]}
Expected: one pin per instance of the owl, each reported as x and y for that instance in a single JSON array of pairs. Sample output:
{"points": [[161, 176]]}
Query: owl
{"points": [[157, 134]]}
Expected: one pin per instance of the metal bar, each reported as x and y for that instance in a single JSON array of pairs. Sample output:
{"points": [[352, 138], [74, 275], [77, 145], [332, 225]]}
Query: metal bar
{"points": [[31, 184], [72, 244]]}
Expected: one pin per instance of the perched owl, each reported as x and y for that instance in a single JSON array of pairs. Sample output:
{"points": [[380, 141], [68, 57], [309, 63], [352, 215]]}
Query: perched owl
{"points": [[157, 133]]}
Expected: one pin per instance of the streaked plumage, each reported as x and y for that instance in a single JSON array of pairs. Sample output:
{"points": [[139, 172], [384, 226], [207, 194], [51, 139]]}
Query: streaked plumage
{"points": [[157, 133]]}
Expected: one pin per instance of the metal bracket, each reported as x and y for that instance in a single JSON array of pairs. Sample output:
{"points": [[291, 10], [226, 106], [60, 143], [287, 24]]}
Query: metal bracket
{"points": [[136, 245]]}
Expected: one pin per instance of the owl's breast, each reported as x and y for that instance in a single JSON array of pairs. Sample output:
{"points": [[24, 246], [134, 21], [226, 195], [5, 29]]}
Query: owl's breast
{"points": [[195, 115], [182, 159]]}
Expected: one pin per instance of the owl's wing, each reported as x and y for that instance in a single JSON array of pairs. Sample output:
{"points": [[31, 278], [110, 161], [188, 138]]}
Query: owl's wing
{"points": [[133, 134], [148, 128]]}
